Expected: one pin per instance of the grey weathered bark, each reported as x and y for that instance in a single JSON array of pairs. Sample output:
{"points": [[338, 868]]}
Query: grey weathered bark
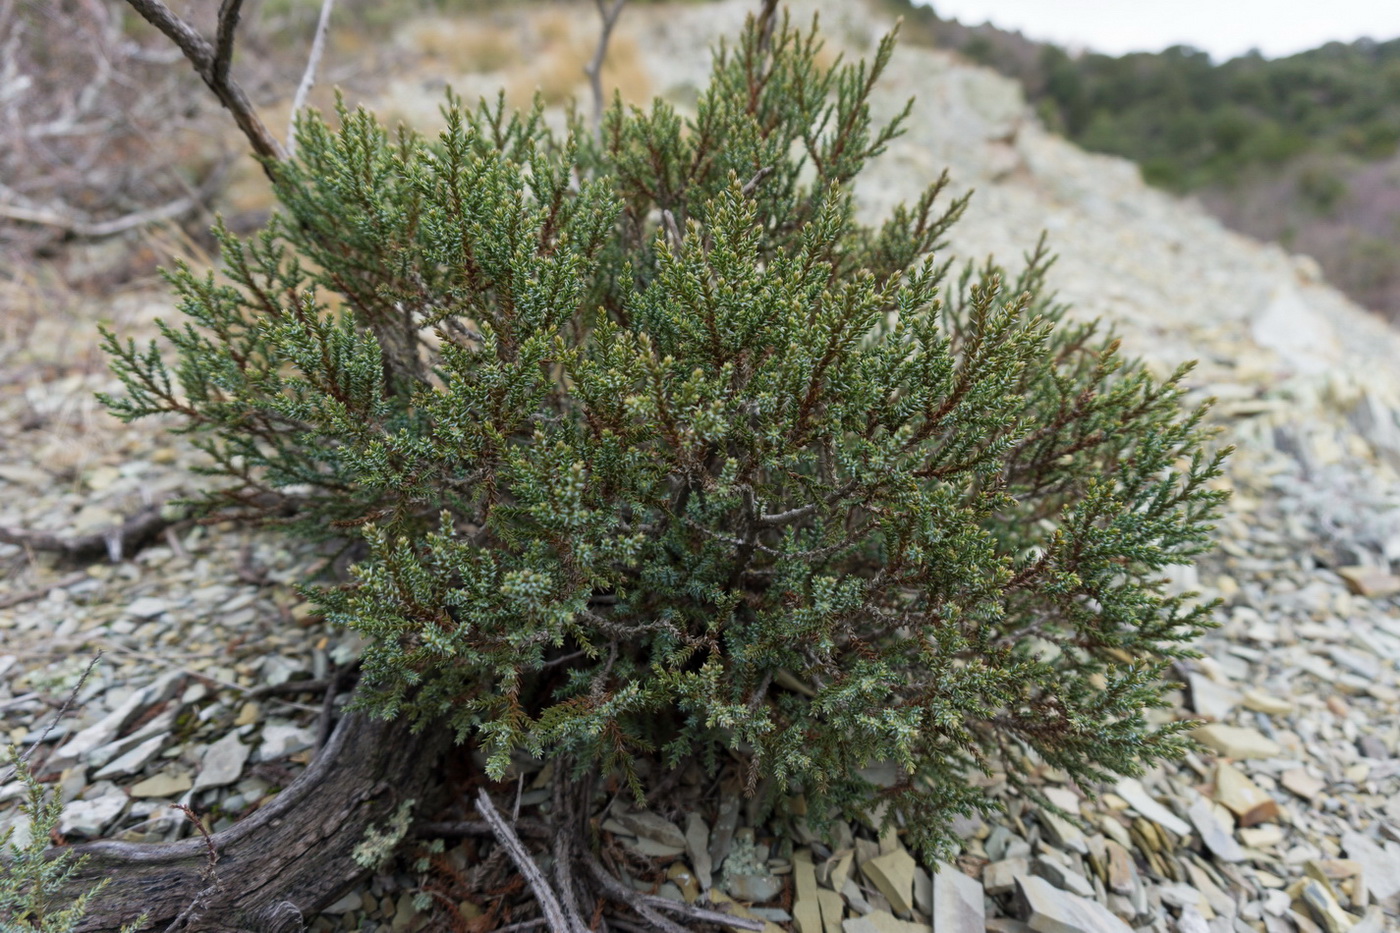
{"points": [[212, 64], [287, 861]]}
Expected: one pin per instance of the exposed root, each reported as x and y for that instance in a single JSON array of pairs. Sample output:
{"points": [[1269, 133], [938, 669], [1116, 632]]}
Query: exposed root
{"points": [[114, 543], [579, 889]]}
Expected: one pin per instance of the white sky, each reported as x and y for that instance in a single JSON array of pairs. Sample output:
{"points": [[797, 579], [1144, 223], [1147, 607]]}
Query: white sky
{"points": [[1224, 28]]}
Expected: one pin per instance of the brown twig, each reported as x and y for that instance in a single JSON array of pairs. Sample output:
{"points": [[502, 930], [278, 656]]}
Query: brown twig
{"points": [[620, 892], [212, 67], [767, 16], [209, 874], [544, 894], [594, 69], [522, 926], [308, 77], [199, 825], [229, 11], [326, 719], [752, 184]]}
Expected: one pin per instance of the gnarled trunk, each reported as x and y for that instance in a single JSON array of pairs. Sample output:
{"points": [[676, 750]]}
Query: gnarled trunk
{"points": [[285, 862]]}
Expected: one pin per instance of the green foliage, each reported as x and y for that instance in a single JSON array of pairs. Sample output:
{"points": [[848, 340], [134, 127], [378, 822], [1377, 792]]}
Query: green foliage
{"points": [[30, 882], [1192, 123], [653, 450]]}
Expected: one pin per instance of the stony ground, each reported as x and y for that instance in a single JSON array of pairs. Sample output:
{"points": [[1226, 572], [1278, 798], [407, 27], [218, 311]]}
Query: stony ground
{"points": [[1287, 819]]}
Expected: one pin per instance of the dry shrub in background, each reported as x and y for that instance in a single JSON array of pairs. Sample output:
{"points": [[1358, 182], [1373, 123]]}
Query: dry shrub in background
{"points": [[95, 129]]}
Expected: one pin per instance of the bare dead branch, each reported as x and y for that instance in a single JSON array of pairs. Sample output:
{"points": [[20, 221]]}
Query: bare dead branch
{"points": [[461, 829], [105, 228], [752, 184], [308, 77], [286, 861], [114, 543], [594, 69], [229, 11], [767, 16], [647, 904], [544, 894], [212, 67], [673, 231]]}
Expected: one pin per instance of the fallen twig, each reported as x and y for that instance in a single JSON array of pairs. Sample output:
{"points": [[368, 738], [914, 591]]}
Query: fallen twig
{"points": [[554, 914], [115, 543], [103, 228], [326, 719], [622, 893], [566, 824], [72, 695], [522, 926], [39, 592]]}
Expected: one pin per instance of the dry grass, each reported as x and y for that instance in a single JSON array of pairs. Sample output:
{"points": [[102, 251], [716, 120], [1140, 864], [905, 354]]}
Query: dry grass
{"points": [[559, 42], [469, 46]]}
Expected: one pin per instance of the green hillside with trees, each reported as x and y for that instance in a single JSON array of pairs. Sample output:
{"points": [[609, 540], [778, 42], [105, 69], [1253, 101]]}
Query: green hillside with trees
{"points": [[1302, 150]]}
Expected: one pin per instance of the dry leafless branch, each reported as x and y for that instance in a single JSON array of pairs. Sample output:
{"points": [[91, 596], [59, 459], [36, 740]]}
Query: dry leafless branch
{"points": [[308, 77], [544, 894], [594, 69], [212, 66], [114, 543]]}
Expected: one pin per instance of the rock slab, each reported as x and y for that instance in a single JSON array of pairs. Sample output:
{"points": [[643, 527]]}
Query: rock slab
{"points": [[958, 905], [1050, 910]]}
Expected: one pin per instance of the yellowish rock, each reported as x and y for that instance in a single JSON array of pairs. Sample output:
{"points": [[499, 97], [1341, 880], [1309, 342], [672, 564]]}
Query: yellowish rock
{"points": [[879, 921], [684, 878], [835, 870], [833, 907], [1302, 783], [1113, 802], [1120, 868], [1324, 907], [1236, 741], [1369, 581], [893, 875], [806, 909], [1250, 803], [1261, 702], [739, 910], [163, 785], [1261, 837]]}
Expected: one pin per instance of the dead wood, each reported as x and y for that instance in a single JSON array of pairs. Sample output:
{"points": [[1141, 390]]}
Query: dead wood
{"points": [[286, 862], [114, 543], [212, 65]]}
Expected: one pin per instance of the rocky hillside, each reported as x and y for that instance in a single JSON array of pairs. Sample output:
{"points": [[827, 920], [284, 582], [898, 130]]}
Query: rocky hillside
{"points": [[1288, 819]]}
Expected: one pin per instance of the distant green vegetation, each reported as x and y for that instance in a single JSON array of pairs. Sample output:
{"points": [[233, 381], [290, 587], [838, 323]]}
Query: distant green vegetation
{"points": [[1301, 149], [1192, 123], [1188, 121]]}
